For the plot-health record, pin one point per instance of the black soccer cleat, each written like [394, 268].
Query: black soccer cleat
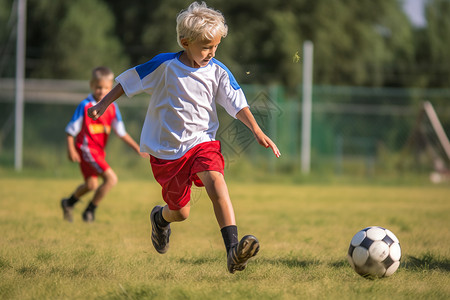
[160, 235]
[239, 254]
[67, 210]
[88, 216]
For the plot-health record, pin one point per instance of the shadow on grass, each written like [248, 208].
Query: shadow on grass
[290, 262]
[197, 261]
[4, 264]
[427, 261]
[140, 291]
[343, 263]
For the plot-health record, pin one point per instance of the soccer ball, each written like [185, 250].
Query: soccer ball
[374, 252]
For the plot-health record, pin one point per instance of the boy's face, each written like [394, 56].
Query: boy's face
[100, 88]
[198, 53]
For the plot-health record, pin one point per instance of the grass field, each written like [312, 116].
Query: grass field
[304, 232]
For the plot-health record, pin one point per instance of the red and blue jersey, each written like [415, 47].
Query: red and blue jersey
[93, 134]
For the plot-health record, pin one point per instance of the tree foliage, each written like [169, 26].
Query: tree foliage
[434, 54]
[7, 38]
[72, 38]
[356, 42]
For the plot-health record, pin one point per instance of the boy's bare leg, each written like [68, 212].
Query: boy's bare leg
[176, 215]
[90, 184]
[217, 190]
[238, 253]
[109, 180]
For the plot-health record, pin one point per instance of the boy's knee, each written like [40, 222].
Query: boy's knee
[92, 185]
[110, 178]
[211, 177]
[180, 215]
[113, 181]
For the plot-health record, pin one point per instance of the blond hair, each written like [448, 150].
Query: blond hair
[100, 73]
[200, 22]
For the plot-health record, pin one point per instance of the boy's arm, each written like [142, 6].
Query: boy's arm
[129, 140]
[98, 109]
[246, 117]
[71, 151]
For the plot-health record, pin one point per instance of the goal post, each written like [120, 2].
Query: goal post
[20, 84]
[437, 127]
[308, 49]
[430, 144]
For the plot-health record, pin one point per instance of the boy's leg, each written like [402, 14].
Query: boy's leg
[238, 253]
[217, 190]
[90, 184]
[218, 193]
[175, 215]
[109, 180]
[67, 204]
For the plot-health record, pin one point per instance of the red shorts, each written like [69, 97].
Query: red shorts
[93, 162]
[176, 176]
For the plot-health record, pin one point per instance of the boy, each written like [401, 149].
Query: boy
[181, 124]
[86, 141]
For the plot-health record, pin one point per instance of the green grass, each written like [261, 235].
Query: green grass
[304, 232]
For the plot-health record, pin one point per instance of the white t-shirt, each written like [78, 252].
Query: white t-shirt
[182, 109]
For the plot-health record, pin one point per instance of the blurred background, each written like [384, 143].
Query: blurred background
[375, 65]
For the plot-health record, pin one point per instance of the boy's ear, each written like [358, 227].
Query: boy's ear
[184, 42]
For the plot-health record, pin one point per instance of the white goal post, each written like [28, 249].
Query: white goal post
[20, 83]
[308, 49]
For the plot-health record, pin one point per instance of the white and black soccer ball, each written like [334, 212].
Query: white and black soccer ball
[374, 252]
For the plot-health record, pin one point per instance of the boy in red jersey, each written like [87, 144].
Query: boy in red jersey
[86, 142]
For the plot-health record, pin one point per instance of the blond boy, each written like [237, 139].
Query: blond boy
[181, 124]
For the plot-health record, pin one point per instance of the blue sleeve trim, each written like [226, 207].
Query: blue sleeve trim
[233, 81]
[74, 126]
[79, 112]
[150, 66]
[118, 114]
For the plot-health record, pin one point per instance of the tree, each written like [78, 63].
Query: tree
[72, 38]
[433, 47]
[8, 22]
[357, 42]
[355, 46]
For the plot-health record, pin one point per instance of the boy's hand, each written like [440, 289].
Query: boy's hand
[96, 111]
[129, 140]
[72, 152]
[74, 156]
[266, 142]
[246, 117]
[144, 155]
